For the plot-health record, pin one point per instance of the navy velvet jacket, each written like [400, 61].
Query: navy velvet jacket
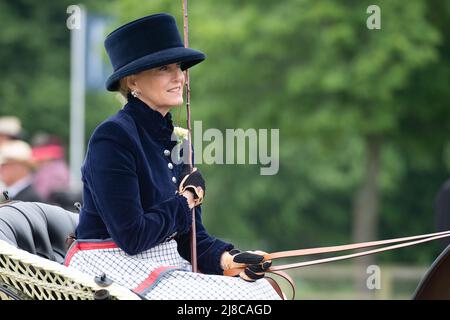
[130, 186]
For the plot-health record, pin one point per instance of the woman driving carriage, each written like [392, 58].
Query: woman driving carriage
[134, 222]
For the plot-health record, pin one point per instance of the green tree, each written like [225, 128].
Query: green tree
[34, 56]
[314, 70]
[35, 60]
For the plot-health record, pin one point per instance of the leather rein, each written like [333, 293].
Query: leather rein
[389, 244]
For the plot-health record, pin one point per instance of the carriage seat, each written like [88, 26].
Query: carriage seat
[37, 227]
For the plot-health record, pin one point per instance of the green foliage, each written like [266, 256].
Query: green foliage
[316, 72]
[35, 61]
[34, 49]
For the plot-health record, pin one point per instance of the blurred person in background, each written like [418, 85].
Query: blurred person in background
[10, 128]
[16, 170]
[52, 177]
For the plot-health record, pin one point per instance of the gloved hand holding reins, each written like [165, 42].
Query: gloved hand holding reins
[252, 261]
[194, 182]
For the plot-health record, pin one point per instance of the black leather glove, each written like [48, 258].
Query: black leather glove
[194, 182]
[252, 261]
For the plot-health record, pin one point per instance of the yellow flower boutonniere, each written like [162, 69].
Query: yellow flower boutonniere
[181, 133]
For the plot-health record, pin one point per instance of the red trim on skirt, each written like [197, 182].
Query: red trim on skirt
[151, 278]
[88, 246]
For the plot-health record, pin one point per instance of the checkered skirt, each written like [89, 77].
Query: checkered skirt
[161, 273]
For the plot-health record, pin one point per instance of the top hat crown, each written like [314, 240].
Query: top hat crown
[146, 43]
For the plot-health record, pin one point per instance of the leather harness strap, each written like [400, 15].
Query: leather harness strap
[354, 255]
[404, 242]
[353, 246]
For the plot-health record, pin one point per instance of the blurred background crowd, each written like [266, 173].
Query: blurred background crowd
[364, 120]
[34, 169]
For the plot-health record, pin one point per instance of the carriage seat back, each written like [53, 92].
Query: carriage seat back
[38, 228]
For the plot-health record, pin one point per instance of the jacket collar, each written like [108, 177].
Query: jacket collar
[153, 122]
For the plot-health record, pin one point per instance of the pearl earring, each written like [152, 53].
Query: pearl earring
[135, 93]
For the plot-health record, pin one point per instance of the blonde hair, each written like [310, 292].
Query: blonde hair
[123, 91]
[123, 87]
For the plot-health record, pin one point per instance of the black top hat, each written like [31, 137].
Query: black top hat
[146, 43]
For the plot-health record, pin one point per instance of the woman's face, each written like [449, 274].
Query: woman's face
[161, 88]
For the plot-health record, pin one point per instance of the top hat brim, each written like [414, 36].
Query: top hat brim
[186, 56]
